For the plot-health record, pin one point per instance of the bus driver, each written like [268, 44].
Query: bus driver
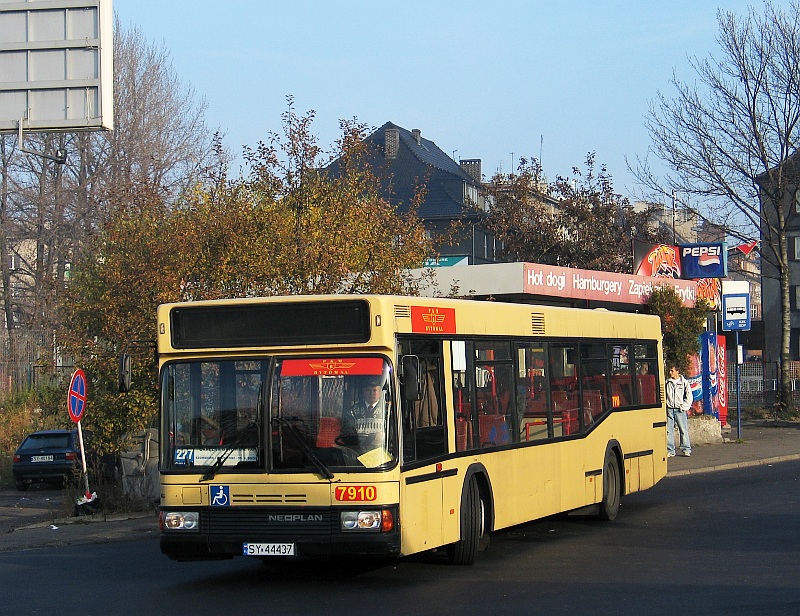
[363, 423]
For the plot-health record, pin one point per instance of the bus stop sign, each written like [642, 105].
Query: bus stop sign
[736, 312]
[76, 398]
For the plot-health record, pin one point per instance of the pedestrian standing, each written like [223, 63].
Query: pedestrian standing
[679, 401]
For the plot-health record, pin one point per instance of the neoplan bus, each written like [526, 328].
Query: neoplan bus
[490, 415]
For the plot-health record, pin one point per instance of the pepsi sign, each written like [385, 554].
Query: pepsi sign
[704, 260]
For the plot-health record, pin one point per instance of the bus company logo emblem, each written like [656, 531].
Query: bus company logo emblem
[429, 320]
[433, 318]
[220, 496]
[331, 366]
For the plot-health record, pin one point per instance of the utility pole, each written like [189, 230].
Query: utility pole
[674, 236]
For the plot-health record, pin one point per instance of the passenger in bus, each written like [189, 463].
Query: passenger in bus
[362, 424]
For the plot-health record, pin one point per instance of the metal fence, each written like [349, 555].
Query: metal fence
[760, 382]
[33, 361]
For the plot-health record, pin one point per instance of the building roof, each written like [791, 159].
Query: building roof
[418, 161]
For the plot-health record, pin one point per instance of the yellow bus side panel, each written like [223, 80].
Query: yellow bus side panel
[525, 483]
[421, 516]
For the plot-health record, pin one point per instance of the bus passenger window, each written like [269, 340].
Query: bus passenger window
[495, 394]
[533, 410]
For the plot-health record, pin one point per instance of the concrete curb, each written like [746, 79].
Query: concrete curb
[89, 519]
[733, 465]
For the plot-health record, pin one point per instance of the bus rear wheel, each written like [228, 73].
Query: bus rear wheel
[473, 526]
[609, 506]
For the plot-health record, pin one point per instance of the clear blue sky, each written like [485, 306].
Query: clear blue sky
[489, 80]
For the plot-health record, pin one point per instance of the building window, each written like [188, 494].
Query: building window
[794, 296]
[794, 248]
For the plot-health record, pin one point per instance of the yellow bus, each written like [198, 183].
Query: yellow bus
[386, 426]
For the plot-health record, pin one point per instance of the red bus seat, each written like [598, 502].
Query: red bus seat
[647, 388]
[592, 404]
[494, 430]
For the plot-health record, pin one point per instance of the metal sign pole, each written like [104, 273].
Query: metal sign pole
[738, 391]
[83, 464]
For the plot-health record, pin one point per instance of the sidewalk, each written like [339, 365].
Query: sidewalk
[80, 531]
[763, 442]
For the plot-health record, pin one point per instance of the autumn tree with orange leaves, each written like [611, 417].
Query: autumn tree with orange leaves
[288, 227]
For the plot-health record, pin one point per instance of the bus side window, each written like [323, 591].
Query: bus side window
[423, 427]
[532, 407]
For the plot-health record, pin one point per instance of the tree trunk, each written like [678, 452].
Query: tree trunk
[785, 394]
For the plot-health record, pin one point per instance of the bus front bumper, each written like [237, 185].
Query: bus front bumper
[225, 533]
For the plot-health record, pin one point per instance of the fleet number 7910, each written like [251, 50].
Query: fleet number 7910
[356, 493]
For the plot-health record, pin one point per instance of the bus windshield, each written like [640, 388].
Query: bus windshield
[313, 414]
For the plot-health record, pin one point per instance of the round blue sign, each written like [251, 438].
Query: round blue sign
[76, 398]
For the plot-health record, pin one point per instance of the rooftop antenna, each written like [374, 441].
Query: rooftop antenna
[541, 147]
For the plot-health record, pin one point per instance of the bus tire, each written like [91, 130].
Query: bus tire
[609, 506]
[463, 551]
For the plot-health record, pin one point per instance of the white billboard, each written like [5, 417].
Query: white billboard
[56, 65]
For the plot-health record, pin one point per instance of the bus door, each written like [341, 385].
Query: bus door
[424, 447]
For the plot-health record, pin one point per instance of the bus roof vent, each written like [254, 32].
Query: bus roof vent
[537, 323]
[402, 312]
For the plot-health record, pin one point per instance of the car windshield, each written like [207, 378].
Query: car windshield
[316, 414]
[46, 441]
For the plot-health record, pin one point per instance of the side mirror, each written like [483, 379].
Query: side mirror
[124, 373]
[411, 382]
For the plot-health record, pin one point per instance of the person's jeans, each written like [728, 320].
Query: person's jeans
[677, 416]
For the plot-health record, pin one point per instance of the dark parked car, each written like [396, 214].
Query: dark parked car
[49, 456]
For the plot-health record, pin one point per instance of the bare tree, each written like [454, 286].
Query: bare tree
[49, 211]
[578, 221]
[161, 137]
[730, 139]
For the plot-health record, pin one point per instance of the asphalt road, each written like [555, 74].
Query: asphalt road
[714, 543]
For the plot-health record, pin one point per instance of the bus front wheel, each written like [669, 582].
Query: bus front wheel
[473, 526]
[609, 506]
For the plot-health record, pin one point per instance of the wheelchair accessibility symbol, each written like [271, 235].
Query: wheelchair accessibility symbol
[220, 496]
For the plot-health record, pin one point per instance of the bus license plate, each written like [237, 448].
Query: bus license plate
[268, 549]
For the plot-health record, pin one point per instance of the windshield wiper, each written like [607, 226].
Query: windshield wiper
[220, 461]
[318, 464]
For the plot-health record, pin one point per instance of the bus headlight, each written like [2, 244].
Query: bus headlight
[180, 520]
[371, 520]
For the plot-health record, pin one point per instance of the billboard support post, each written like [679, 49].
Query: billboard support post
[60, 157]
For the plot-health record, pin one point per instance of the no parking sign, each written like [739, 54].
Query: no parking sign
[76, 405]
[76, 398]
